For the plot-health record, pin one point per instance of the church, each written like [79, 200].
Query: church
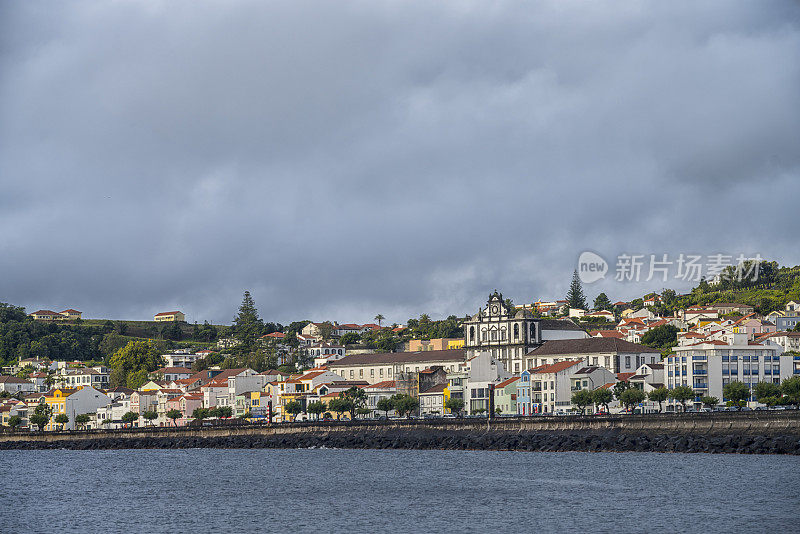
[510, 334]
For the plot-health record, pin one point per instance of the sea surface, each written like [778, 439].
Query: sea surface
[323, 490]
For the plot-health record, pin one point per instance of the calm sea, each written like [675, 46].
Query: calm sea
[208, 490]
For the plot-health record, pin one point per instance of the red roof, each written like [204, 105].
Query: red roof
[70, 310]
[623, 377]
[386, 384]
[167, 313]
[45, 312]
[504, 383]
[277, 335]
[557, 367]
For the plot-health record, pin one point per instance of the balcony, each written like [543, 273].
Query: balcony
[700, 372]
[701, 385]
[702, 358]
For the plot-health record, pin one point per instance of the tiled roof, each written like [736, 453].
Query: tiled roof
[388, 358]
[624, 377]
[589, 345]
[557, 367]
[506, 382]
[386, 384]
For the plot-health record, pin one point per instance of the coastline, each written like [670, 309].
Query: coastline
[742, 433]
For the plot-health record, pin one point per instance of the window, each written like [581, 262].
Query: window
[627, 362]
[472, 333]
[516, 332]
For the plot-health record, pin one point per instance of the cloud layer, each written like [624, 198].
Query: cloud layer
[345, 159]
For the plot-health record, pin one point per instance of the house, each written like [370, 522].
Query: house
[171, 373]
[13, 407]
[378, 367]
[547, 388]
[47, 315]
[186, 403]
[482, 373]
[789, 341]
[71, 315]
[607, 333]
[96, 377]
[14, 385]
[144, 401]
[74, 402]
[505, 396]
[172, 316]
[376, 392]
[601, 314]
[321, 352]
[433, 399]
[725, 308]
[184, 359]
[590, 378]
[441, 343]
[616, 355]
[110, 415]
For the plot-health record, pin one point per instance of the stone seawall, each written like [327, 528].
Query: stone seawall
[753, 432]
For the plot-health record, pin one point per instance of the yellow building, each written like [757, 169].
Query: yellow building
[442, 343]
[57, 400]
[71, 315]
[173, 316]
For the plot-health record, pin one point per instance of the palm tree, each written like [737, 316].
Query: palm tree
[379, 318]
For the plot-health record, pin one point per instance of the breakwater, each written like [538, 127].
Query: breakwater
[748, 432]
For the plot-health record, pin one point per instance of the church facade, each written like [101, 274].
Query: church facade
[510, 334]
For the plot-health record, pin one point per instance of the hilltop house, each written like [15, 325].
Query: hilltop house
[173, 316]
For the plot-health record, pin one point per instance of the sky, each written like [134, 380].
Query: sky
[345, 159]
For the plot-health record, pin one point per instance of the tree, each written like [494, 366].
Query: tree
[631, 397]
[82, 419]
[350, 338]
[339, 405]
[149, 416]
[223, 412]
[659, 395]
[709, 401]
[575, 295]
[582, 398]
[736, 392]
[174, 415]
[131, 364]
[316, 408]
[602, 302]
[661, 337]
[201, 413]
[325, 330]
[404, 404]
[764, 391]
[602, 397]
[129, 417]
[791, 388]
[379, 318]
[62, 419]
[293, 408]
[41, 415]
[247, 326]
[357, 398]
[14, 421]
[681, 394]
[385, 405]
[455, 405]
[620, 388]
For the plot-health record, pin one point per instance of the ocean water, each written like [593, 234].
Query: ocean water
[321, 490]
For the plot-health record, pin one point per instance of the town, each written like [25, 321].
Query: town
[548, 358]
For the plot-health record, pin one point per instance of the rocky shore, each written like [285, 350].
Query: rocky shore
[420, 439]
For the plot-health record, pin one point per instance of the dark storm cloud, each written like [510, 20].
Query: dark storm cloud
[345, 159]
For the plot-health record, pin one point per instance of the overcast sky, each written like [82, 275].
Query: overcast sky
[343, 159]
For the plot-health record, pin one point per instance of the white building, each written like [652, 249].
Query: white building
[708, 366]
[616, 355]
[509, 334]
[14, 384]
[84, 401]
[482, 370]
